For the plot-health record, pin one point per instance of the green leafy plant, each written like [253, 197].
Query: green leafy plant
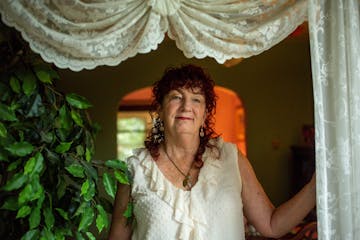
[49, 182]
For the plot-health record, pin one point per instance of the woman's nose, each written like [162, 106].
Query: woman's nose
[186, 104]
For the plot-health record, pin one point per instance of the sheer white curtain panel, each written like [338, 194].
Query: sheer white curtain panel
[80, 34]
[335, 52]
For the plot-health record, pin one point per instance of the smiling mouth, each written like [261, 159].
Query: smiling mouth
[183, 118]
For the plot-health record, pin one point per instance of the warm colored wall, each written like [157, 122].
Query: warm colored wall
[275, 87]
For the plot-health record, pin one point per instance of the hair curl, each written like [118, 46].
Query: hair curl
[190, 77]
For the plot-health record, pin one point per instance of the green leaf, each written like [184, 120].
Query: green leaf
[23, 211]
[35, 217]
[20, 149]
[33, 190]
[90, 236]
[63, 147]
[17, 105]
[39, 163]
[3, 131]
[49, 218]
[85, 187]
[6, 113]
[121, 177]
[11, 203]
[109, 184]
[79, 150]
[65, 120]
[129, 210]
[47, 137]
[26, 194]
[76, 170]
[41, 200]
[61, 133]
[102, 220]
[61, 187]
[15, 85]
[29, 83]
[34, 165]
[77, 118]
[88, 154]
[16, 182]
[37, 108]
[79, 236]
[31, 235]
[86, 219]
[29, 165]
[90, 171]
[62, 213]
[14, 165]
[77, 101]
[43, 75]
[60, 233]
[46, 234]
[51, 156]
[81, 208]
[116, 164]
[88, 190]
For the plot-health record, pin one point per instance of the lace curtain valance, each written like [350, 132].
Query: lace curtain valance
[80, 34]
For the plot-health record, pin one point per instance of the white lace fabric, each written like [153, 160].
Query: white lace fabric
[83, 34]
[163, 211]
[335, 40]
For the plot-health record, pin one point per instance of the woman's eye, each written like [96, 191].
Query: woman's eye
[176, 97]
[198, 100]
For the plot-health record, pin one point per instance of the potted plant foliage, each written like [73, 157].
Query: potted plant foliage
[49, 182]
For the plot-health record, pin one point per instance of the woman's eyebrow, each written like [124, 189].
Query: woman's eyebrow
[198, 92]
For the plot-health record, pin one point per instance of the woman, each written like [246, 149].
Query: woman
[188, 183]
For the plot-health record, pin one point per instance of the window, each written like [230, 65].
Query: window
[132, 127]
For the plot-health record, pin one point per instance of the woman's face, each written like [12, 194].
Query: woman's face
[183, 111]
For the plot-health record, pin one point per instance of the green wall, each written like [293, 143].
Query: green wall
[275, 87]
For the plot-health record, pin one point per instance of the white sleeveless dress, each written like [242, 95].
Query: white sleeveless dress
[212, 210]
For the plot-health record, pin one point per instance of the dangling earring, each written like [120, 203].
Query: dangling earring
[202, 134]
[157, 130]
[161, 128]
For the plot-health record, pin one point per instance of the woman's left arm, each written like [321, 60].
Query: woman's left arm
[260, 212]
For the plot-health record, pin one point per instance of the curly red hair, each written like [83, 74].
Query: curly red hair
[186, 76]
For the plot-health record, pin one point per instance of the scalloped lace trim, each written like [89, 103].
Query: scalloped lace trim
[75, 35]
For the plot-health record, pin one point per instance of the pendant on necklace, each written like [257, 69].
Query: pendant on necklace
[187, 181]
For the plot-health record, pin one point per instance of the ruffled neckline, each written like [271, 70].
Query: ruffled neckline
[187, 205]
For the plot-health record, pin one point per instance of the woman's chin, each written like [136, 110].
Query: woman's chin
[186, 133]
